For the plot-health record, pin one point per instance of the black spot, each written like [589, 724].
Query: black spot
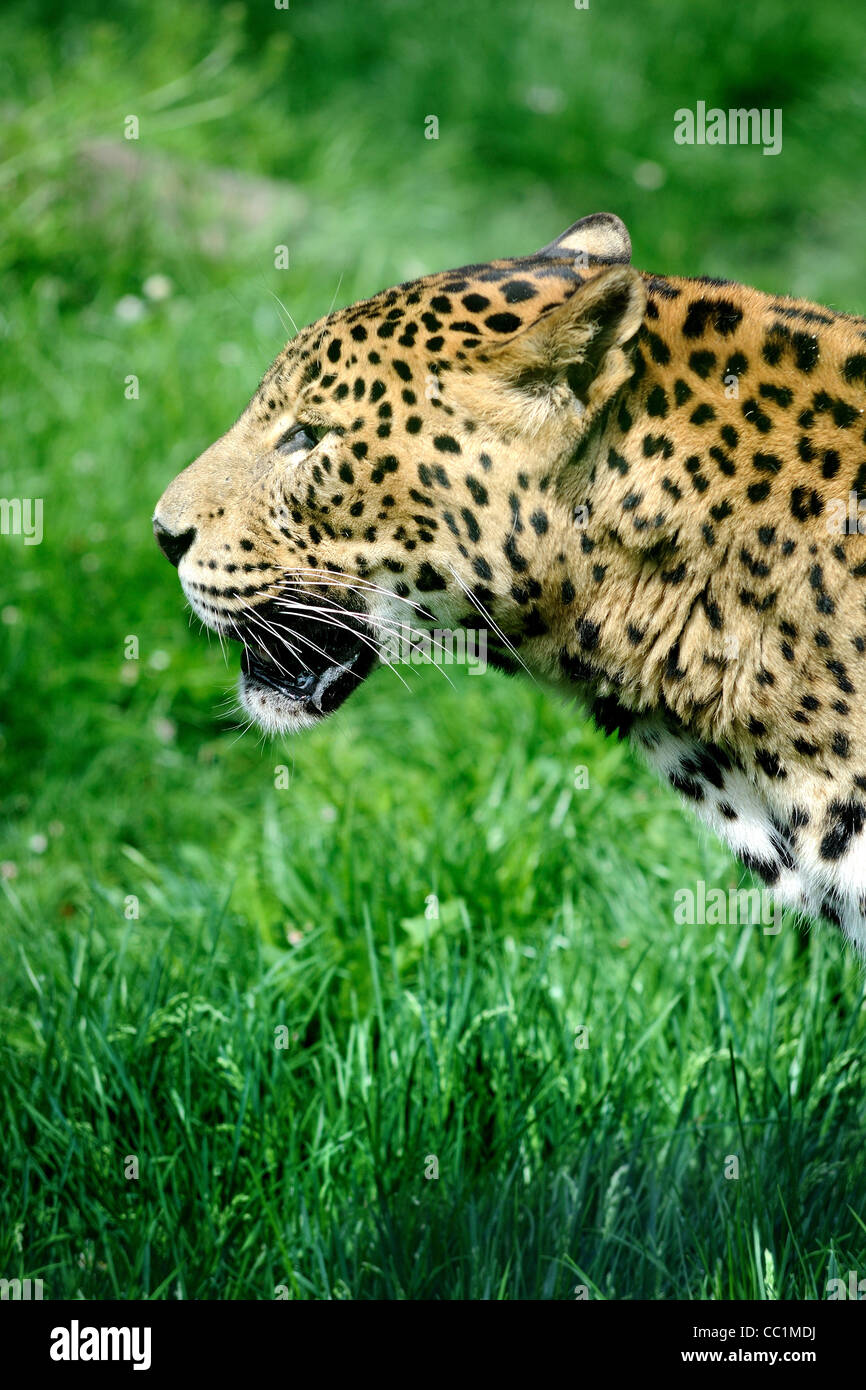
[756, 416]
[503, 323]
[736, 366]
[588, 634]
[766, 463]
[806, 351]
[612, 717]
[686, 786]
[516, 291]
[837, 669]
[756, 567]
[659, 350]
[673, 670]
[841, 745]
[848, 818]
[805, 448]
[769, 763]
[478, 490]
[726, 464]
[805, 502]
[702, 363]
[782, 395]
[617, 462]
[831, 464]
[707, 763]
[722, 314]
[765, 869]
[657, 444]
[429, 579]
[855, 367]
[473, 530]
[513, 556]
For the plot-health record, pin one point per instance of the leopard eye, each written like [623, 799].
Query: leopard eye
[299, 438]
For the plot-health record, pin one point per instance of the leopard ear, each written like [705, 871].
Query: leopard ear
[558, 370]
[601, 239]
[580, 341]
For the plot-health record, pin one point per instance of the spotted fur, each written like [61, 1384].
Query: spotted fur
[633, 481]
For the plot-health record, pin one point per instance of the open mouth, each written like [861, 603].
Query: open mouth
[296, 667]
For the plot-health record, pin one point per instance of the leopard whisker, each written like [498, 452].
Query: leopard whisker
[251, 612]
[343, 581]
[330, 621]
[498, 630]
[313, 645]
[384, 623]
[245, 646]
[414, 646]
[285, 311]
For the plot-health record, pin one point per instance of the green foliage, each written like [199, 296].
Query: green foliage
[302, 914]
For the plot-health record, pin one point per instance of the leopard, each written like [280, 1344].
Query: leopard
[643, 488]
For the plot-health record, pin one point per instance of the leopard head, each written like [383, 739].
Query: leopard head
[401, 462]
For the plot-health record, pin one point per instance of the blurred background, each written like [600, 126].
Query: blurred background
[411, 1017]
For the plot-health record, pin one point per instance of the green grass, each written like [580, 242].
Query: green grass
[296, 914]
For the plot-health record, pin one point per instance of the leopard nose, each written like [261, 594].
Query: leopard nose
[173, 544]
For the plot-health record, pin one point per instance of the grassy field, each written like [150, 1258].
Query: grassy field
[239, 1060]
